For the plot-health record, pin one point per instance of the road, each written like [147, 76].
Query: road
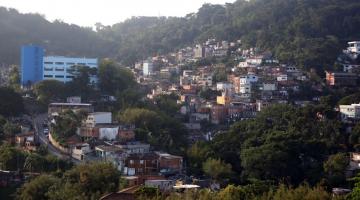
[43, 139]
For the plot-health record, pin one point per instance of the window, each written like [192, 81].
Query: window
[131, 162]
[48, 63]
[59, 76]
[141, 162]
[70, 63]
[69, 76]
[48, 76]
[59, 69]
[81, 63]
[59, 63]
[48, 69]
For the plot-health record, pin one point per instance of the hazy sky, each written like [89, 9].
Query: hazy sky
[88, 12]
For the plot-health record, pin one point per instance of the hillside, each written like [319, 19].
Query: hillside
[309, 33]
[57, 37]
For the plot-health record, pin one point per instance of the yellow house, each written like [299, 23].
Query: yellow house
[223, 100]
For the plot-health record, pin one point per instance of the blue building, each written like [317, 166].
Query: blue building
[31, 64]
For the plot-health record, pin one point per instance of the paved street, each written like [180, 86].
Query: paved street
[43, 139]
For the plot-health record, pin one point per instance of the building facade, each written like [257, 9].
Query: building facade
[60, 68]
[148, 68]
[35, 67]
[31, 64]
[351, 112]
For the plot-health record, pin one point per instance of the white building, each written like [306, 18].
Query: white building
[350, 111]
[59, 67]
[204, 80]
[148, 68]
[245, 88]
[282, 77]
[354, 47]
[222, 86]
[248, 79]
[349, 59]
[79, 151]
[98, 118]
[269, 87]
[108, 133]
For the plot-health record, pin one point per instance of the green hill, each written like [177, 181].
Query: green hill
[309, 33]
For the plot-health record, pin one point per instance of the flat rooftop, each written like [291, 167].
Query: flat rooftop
[70, 104]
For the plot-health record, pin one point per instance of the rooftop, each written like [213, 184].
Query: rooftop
[70, 104]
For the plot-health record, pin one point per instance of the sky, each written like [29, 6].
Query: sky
[107, 12]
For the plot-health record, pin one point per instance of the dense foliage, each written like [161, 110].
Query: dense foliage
[11, 103]
[158, 129]
[57, 37]
[282, 143]
[66, 125]
[90, 181]
[309, 33]
[112, 79]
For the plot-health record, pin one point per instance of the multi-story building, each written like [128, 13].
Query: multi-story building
[199, 51]
[341, 79]
[61, 68]
[148, 68]
[31, 64]
[349, 59]
[35, 67]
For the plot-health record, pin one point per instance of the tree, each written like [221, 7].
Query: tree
[66, 125]
[93, 180]
[114, 79]
[49, 90]
[14, 79]
[335, 168]
[147, 193]
[11, 158]
[231, 192]
[34, 163]
[209, 94]
[216, 168]
[158, 129]
[83, 82]
[11, 129]
[304, 191]
[167, 104]
[196, 156]
[38, 188]
[141, 117]
[11, 103]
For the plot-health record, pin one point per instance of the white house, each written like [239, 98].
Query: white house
[282, 77]
[249, 78]
[350, 111]
[245, 88]
[98, 118]
[222, 86]
[108, 133]
[269, 87]
[354, 47]
[80, 150]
